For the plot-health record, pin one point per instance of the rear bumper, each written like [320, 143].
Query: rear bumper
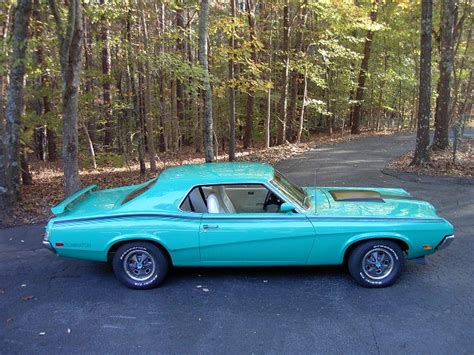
[47, 244]
[445, 242]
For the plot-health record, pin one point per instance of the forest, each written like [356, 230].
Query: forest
[94, 83]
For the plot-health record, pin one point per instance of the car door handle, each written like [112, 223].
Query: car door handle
[209, 226]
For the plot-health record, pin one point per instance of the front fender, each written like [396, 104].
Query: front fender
[330, 249]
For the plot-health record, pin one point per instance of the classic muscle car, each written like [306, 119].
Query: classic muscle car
[244, 214]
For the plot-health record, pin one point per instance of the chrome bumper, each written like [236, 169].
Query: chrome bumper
[445, 242]
[47, 244]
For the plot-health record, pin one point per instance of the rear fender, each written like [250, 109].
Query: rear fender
[134, 237]
[371, 236]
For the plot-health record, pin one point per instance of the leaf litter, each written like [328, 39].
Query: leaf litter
[47, 188]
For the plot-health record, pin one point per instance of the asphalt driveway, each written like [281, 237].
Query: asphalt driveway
[54, 305]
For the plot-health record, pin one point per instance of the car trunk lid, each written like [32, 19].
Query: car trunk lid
[91, 201]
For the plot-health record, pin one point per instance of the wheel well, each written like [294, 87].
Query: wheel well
[351, 247]
[117, 245]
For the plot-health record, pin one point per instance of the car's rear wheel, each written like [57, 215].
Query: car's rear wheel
[140, 265]
[376, 263]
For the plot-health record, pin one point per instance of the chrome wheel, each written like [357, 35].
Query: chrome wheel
[377, 263]
[139, 265]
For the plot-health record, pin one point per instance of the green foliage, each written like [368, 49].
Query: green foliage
[107, 159]
[332, 46]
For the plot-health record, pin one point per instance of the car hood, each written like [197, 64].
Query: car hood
[368, 202]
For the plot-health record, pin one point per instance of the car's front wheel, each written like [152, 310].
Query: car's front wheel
[376, 263]
[140, 265]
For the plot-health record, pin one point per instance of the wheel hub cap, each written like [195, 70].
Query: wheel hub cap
[139, 265]
[377, 263]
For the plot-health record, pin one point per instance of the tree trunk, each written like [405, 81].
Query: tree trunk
[52, 147]
[163, 138]
[90, 145]
[39, 136]
[106, 80]
[135, 97]
[181, 51]
[70, 39]
[295, 76]
[441, 135]
[283, 106]
[175, 141]
[91, 121]
[232, 89]
[89, 125]
[192, 96]
[40, 142]
[267, 121]
[303, 104]
[206, 92]
[135, 101]
[356, 116]
[10, 191]
[424, 108]
[26, 177]
[466, 106]
[5, 25]
[147, 101]
[457, 76]
[249, 107]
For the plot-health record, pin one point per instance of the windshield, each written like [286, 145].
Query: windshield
[295, 192]
[138, 192]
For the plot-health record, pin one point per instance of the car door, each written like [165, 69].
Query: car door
[255, 239]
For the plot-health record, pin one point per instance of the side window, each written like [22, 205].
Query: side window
[232, 198]
[195, 201]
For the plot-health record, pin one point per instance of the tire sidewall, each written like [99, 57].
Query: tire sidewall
[356, 268]
[160, 260]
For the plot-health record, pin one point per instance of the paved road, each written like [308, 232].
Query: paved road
[266, 310]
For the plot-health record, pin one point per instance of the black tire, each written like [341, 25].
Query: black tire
[376, 263]
[140, 265]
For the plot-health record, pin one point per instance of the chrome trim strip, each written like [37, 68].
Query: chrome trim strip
[264, 216]
[86, 219]
[376, 219]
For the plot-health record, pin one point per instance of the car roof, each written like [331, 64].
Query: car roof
[175, 182]
[216, 173]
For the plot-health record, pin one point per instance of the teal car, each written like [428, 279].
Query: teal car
[244, 214]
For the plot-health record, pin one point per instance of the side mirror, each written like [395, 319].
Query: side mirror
[286, 207]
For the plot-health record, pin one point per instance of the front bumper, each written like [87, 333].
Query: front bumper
[445, 242]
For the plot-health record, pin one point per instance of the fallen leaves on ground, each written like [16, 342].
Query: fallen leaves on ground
[47, 188]
[441, 163]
